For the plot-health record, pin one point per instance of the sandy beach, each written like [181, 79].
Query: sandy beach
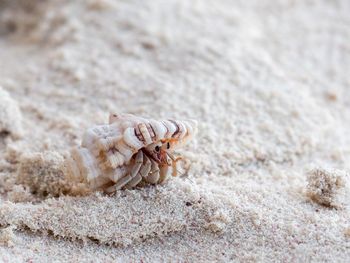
[268, 83]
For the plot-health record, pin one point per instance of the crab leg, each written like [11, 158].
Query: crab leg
[143, 172]
[134, 181]
[153, 175]
[116, 174]
[173, 163]
[163, 173]
[146, 168]
[133, 173]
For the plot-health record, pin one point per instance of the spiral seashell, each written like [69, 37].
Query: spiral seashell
[116, 155]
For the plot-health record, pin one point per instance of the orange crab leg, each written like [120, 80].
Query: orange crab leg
[173, 165]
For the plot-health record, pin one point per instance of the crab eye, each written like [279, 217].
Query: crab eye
[157, 148]
[168, 145]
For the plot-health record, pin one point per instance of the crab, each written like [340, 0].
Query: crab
[129, 151]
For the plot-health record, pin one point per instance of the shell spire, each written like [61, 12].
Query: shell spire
[108, 152]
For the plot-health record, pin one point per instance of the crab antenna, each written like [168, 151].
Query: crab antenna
[171, 156]
[190, 180]
[181, 174]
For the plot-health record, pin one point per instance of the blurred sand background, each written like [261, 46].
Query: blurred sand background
[268, 82]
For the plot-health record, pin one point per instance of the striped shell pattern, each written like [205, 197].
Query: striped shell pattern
[107, 153]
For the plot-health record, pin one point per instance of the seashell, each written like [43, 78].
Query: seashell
[129, 151]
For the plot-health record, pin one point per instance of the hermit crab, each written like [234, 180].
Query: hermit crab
[129, 151]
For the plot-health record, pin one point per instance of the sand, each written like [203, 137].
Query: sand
[268, 83]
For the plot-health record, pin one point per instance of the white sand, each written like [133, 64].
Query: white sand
[268, 82]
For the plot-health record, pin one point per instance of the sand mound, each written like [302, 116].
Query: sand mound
[7, 237]
[327, 187]
[128, 217]
[46, 175]
[10, 115]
